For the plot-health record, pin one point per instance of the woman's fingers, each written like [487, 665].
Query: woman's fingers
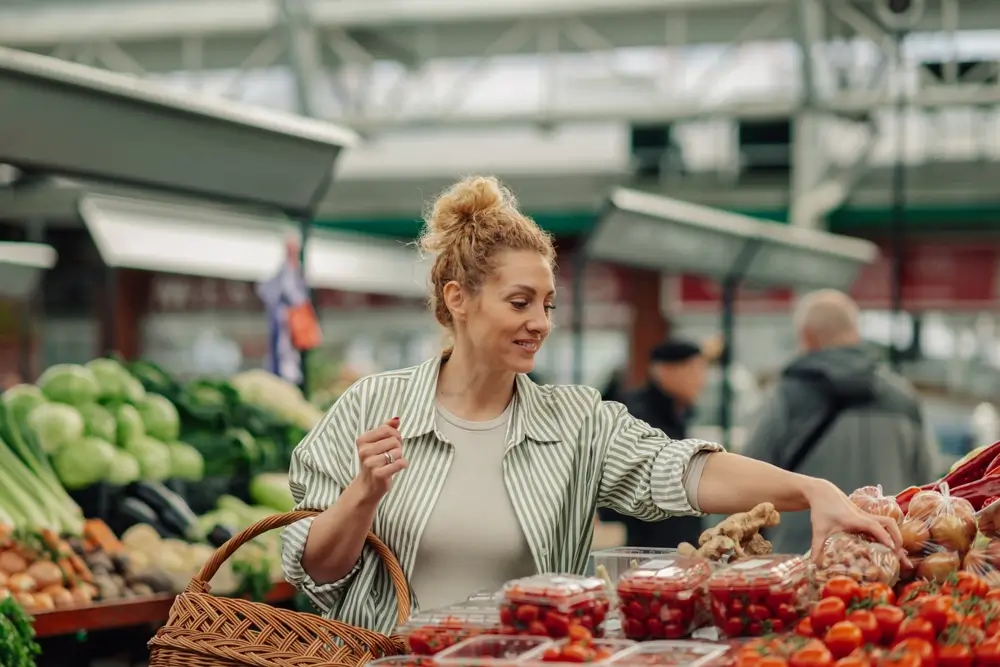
[387, 470]
[892, 528]
[370, 449]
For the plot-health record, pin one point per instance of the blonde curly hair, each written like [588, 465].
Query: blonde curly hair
[467, 226]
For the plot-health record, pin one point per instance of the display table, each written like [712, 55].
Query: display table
[123, 614]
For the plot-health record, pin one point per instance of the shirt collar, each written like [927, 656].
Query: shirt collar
[533, 415]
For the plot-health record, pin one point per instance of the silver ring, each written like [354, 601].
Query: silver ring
[388, 458]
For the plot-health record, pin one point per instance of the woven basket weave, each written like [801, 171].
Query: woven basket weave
[208, 631]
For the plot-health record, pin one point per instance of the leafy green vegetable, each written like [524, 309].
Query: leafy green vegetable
[21, 399]
[111, 378]
[99, 422]
[271, 490]
[153, 457]
[160, 417]
[186, 462]
[124, 469]
[84, 463]
[153, 378]
[70, 383]
[56, 425]
[130, 426]
[18, 647]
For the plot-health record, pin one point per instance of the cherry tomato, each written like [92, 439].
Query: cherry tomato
[988, 652]
[936, 609]
[733, 626]
[576, 653]
[526, 613]
[578, 633]
[877, 593]
[889, 619]
[556, 625]
[804, 628]
[853, 660]
[772, 661]
[917, 627]
[966, 583]
[843, 638]
[827, 612]
[540, 629]
[811, 655]
[899, 659]
[844, 588]
[867, 623]
[922, 648]
[954, 655]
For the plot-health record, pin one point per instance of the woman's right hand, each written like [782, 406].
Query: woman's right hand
[380, 451]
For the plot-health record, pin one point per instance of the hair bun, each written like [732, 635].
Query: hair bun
[461, 206]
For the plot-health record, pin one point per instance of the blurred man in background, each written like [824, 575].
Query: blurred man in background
[677, 373]
[839, 414]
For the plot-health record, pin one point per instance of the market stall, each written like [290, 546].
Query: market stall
[650, 231]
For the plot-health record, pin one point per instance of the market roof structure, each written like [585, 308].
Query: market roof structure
[22, 266]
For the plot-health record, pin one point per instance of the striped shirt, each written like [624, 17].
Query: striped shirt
[567, 453]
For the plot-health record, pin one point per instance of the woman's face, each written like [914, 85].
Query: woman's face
[507, 321]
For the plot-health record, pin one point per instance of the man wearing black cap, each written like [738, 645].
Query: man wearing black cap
[677, 373]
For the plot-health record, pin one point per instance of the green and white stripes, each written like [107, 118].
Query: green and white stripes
[567, 453]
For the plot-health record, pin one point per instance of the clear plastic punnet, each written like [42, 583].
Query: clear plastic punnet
[664, 598]
[431, 632]
[758, 596]
[857, 557]
[490, 651]
[610, 564]
[565, 651]
[549, 604]
[670, 654]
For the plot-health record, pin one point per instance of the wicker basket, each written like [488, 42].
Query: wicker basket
[208, 631]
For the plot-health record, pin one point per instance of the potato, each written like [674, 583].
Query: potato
[939, 566]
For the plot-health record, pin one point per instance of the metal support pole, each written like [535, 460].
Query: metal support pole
[579, 268]
[305, 55]
[110, 314]
[730, 287]
[898, 222]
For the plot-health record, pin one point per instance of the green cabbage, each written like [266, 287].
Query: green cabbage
[129, 425]
[111, 377]
[70, 383]
[272, 490]
[124, 469]
[153, 457]
[159, 416]
[186, 462]
[21, 399]
[55, 425]
[83, 463]
[99, 422]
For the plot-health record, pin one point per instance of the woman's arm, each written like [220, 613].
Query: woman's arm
[732, 483]
[337, 536]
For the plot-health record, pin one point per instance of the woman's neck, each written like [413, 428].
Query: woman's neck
[471, 390]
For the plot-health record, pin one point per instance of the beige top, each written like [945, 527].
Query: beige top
[473, 539]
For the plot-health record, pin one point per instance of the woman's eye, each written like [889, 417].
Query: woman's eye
[550, 307]
[520, 305]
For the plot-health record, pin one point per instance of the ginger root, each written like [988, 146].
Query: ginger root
[736, 536]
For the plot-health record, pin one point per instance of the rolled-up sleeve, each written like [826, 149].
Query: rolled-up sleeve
[642, 470]
[319, 471]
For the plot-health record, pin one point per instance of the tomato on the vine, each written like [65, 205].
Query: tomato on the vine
[987, 652]
[772, 661]
[853, 660]
[897, 658]
[955, 655]
[877, 593]
[826, 613]
[843, 638]
[922, 648]
[804, 628]
[889, 619]
[937, 609]
[917, 627]
[811, 655]
[966, 583]
[845, 588]
[867, 623]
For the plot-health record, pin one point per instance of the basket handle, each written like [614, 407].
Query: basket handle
[199, 583]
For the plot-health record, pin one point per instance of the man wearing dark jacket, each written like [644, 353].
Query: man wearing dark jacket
[677, 374]
[839, 414]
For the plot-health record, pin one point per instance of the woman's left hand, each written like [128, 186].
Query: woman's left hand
[832, 512]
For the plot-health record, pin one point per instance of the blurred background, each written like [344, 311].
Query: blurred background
[874, 119]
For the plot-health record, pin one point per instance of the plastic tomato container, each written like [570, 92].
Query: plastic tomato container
[664, 598]
[490, 651]
[611, 564]
[670, 654]
[759, 596]
[431, 632]
[402, 661]
[567, 651]
[548, 604]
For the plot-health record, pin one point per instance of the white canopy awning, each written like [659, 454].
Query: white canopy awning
[655, 232]
[242, 245]
[21, 267]
[81, 121]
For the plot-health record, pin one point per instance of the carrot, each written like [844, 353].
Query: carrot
[99, 532]
[80, 568]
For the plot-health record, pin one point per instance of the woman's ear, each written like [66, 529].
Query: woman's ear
[455, 300]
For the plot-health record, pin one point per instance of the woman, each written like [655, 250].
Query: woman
[471, 473]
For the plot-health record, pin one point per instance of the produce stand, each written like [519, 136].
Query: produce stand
[649, 231]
